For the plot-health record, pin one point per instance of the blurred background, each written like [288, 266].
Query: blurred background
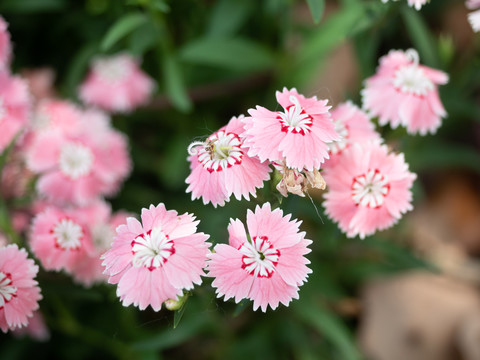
[410, 292]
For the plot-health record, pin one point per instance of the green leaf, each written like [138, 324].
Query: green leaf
[174, 84]
[316, 8]
[330, 326]
[421, 36]
[177, 316]
[227, 17]
[143, 38]
[232, 53]
[122, 27]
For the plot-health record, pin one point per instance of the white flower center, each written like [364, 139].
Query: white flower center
[294, 119]
[112, 69]
[68, 234]
[152, 249]
[259, 257]
[3, 110]
[370, 189]
[7, 291]
[102, 235]
[337, 146]
[411, 79]
[222, 150]
[75, 160]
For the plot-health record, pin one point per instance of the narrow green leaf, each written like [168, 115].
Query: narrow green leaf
[421, 36]
[177, 316]
[316, 8]
[77, 68]
[174, 84]
[233, 53]
[122, 27]
[227, 17]
[143, 39]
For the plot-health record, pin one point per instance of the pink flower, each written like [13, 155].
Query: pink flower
[14, 107]
[5, 45]
[36, 328]
[267, 265]
[221, 167]
[353, 126]
[59, 239]
[404, 92]
[474, 16]
[116, 84]
[79, 164]
[298, 135]
[155, 260]
[19, 292]
[298, 182]
[369, 189]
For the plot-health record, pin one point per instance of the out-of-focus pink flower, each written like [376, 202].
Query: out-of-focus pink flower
[19, 292]
[474, 17]
[102, 224]
[369, 189]
[157, 259]
[353, 126]
[15, 177]
[5, 46]
[403, 92]
[116, 84]
[36, 328]
[267, 265]
[221, 167]
[14, 107]
[59, 239]
[417, 4]
[298, 135]
[79, 164]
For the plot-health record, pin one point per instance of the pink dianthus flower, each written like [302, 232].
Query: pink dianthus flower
[369, 189]
[116, 84]
[59, 239]
[267, 265]
[19, 292]
[157, 259]
[298, 135]
[5, 46]
[403, 92]
[221, 167]
[14, 107]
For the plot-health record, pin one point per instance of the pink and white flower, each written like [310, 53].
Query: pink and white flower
[80, 164]
[5, 46]
[403, 92]
[59, 239]
[36, 328]
[353, 126]
[221, 167]
[19, 292]
[298, 135]
[14, 107]
[157, 259]
[116, 84]
[474, 16]
[267, 265]
[369, 189]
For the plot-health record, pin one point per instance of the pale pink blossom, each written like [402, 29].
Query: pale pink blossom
[266, 265]
[36, 328]
[353, 126]
[221, 167]
[403, 92]
[157, 259]
[19, 292]
[101, 223]
[368, 189]
[5, 46]
[474, 16]
[14, 108]
[78, 165]
[298, 135]
[59, 239]
[116, 84]
[297, 182]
